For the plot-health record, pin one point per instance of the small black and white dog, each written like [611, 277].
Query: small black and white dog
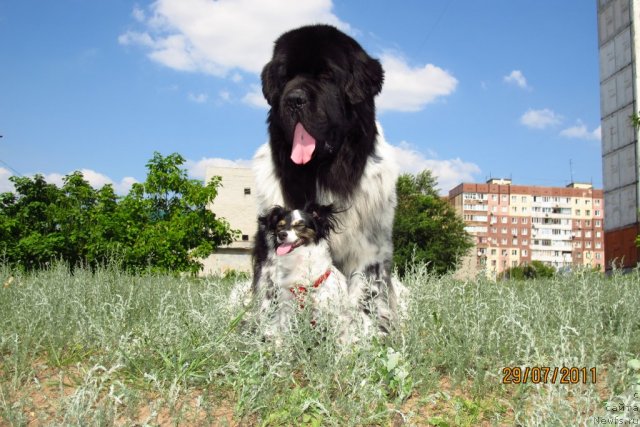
[299, 271]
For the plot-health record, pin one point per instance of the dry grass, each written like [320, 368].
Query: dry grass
[108, 348]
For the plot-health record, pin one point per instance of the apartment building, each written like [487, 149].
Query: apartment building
[516, 224]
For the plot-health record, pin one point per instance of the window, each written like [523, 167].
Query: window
[247, 191]
[598, 234]
[598, 255]
[514, 220]
[503, 252]
[598, 245]
[504, 219]
[598, 223]
[596, 213]
[514, 263]
[524, 199]
[245, 237]
[578, 213]
[524, 220]
[587, 212]
[514, 199]
[514, 252]
[524, 231]
[493, 251]
[525, 252]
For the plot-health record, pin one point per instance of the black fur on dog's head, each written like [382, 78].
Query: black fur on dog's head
[321, 84]
[287, 229]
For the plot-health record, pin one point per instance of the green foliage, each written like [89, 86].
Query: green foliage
[426, 228]
[635, 120]
[533, 270]
[163, 224]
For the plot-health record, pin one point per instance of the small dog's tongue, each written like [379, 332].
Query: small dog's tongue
[284, 248]
[303, 145]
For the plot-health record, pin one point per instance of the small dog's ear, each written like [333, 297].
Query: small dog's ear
[270, 219]
[324, 218]
[366, 78]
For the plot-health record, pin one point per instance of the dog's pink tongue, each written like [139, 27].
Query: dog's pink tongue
[303, 145]
[284, 248]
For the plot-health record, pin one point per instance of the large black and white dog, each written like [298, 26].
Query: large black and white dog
[324, 147]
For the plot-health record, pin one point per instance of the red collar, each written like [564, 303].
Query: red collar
[300, 290]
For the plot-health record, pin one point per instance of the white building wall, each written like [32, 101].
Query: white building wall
[236, 203]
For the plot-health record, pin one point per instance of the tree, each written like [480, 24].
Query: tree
[533, 270]
[165, 220]
[426, 228]
[163, 224]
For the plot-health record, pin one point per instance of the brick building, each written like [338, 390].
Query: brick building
[517, 224]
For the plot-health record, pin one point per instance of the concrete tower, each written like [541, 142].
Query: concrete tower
[618, 22]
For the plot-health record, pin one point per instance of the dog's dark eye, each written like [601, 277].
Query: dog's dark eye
[299, 226]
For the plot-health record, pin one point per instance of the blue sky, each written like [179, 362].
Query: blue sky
[473, 88]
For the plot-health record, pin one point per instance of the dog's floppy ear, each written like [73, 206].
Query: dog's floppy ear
[270, 219]
[324, 218]
[366, 78]
[270, 79]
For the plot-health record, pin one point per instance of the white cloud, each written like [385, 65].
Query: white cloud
[216, 37]
[409, 88]
[134, 38]
[517, 78]
[449, 173]
[255, 99]
[198, 98]
[138, 14]
[225, 95]
[540, 119]
[198, 168]
[580, 131]
[95, 179]
[5, 184]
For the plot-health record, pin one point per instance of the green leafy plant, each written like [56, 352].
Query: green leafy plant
[426, 229]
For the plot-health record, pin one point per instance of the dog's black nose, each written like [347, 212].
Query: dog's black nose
[282, 235]
[296, 99]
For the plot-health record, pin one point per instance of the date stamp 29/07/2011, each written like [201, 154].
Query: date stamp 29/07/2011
[548, 375]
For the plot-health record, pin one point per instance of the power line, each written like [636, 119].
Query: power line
[9, 166]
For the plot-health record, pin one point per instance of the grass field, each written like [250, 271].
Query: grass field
[108, 348]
